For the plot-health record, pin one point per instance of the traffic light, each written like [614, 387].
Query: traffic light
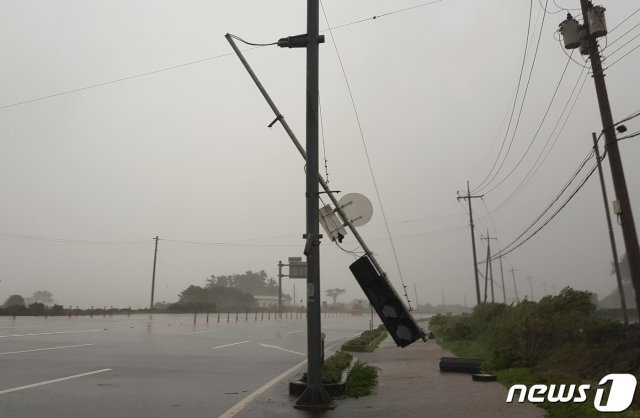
[392, 312]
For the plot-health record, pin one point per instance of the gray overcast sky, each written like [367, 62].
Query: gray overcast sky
[186, 154]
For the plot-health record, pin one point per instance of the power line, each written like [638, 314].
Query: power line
[524, 97]
[92, 86]
[383, 15]
[536, 166]
[70, 240]
[515, 99]
[503, 252]
[510, 247]
[366, 151]
[535, 135]
[621, 23]
[619, 59]
[255, 46]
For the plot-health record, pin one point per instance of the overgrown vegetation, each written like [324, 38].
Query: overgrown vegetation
[556, 340]
[361, 380]
[367, 341]
[334, 366]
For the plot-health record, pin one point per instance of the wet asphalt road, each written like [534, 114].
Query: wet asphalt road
[140, 367]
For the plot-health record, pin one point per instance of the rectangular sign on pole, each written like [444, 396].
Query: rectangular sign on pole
[297, 268]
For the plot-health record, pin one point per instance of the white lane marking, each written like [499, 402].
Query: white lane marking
[295, 332]
[283, 349]
[47, 382]
[31, 326]
[235, 409]
[50, 333]
[45, 349]
[246, 401]
[229, 345]
[200, 332]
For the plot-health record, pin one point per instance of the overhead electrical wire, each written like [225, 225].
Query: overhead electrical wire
[385, 14]
[514, 244]
[621, 23]
[515, 100]
[505, 252]
[515, 130]
[538, 162]
[366, 151]
[627, 43]
[174, 67]
[535, 135]
[71, 241]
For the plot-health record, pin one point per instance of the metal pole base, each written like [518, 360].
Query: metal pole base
[315, 398]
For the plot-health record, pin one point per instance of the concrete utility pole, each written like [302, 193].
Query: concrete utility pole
[490, 265]
[617, 173]
[612, 239]
[153, 276]
[515, 286]
[468, 197]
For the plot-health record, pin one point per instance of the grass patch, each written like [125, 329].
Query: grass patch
[334, 366]
[366, 342]
[361, 380]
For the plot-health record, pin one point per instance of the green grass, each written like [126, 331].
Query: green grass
[366, 342]
[361, 380]
[585, 357]
[334, 366]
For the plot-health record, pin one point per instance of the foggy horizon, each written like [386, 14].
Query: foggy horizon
[129, 152]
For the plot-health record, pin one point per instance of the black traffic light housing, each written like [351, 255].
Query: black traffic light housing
[384, 299]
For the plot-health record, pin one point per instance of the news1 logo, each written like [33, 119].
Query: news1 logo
[623, 387]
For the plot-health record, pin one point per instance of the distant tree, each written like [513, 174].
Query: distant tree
[255, 283]
[14, 300]
[334, 293]
[42, 296]
[56, 310]
[36, 309]
[196, 297]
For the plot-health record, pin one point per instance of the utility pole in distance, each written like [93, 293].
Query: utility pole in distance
[594, 16]
[488, 238]
[153, 276]
[531, 288]
[515, 286]
[468, 197]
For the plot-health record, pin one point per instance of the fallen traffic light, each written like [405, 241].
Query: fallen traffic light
[384, 299]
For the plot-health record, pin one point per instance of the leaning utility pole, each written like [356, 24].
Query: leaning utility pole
[468, 197]
[153, 276]
[611, 142]
[612, 239]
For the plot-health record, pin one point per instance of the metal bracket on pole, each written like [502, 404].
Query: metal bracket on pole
[278, 117]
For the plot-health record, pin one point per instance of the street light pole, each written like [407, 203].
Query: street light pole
[314, 397]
